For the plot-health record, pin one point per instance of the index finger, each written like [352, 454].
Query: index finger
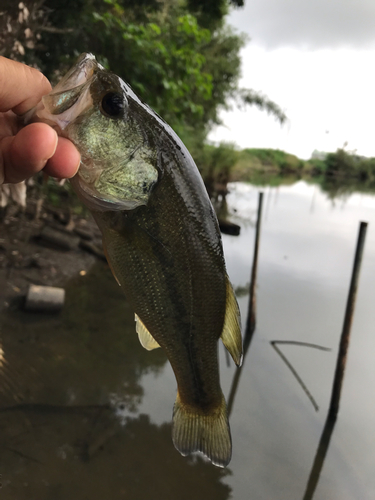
[21, 87]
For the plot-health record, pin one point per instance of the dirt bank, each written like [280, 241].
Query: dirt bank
[43, 247]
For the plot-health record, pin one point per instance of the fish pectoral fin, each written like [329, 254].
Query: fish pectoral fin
[206, 432]
[109, 262]
[231, 334]
[145, 337]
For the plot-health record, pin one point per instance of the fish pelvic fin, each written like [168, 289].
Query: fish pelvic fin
[231, 334]
[208, 433]
[145, 338]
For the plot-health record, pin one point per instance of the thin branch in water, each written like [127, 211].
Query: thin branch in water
[20, 454]
[303, 344]
[289, 365]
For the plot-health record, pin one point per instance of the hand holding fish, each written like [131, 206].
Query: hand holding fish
[25, 151]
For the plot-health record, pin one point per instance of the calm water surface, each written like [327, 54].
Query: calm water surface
[86, 412]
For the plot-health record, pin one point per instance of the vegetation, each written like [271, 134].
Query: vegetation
[251, 161]
[182, 59]
[337, 173]
[346, 164]
[178, 55]
[215, 164]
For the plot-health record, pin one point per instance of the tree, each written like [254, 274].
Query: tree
[181, 68]
[179, 57]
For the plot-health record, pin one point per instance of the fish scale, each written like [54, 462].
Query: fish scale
[196, 304]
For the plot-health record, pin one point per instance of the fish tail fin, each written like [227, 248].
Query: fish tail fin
[208, 432]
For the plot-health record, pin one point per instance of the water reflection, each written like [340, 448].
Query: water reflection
[319, 458]
[69, 420]
[85, 412]
[251, 310]
[86, 453]
[295, 283]
[81, 356]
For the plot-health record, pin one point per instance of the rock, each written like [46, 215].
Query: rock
[227, 227]
[84, 233]
[62, 240]
[37, 261]
[44, 298]
[91, 247]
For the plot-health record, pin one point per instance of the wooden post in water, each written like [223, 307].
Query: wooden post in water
[320, 456]
[340, 369]
[348, 320]
[250, 323]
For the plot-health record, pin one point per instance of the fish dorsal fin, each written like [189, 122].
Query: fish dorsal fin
[231, 335]
[145, 337]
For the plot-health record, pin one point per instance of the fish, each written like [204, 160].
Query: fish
[161, 239]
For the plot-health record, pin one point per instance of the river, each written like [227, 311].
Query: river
[86, 411]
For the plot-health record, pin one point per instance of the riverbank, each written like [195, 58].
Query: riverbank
[222, 164]
[43, 249]
[48, 243]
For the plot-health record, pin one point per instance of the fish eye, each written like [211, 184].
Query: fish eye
[113, 105]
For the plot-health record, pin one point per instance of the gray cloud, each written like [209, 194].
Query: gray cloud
[312, 24]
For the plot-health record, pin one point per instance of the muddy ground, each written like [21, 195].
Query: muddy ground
[43, 245]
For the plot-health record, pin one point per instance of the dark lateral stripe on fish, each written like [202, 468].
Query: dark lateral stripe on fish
[208, 433]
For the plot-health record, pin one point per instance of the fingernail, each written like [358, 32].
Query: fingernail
[56, 142]
[77, 166]
[54, 149]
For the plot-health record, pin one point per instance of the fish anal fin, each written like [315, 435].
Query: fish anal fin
[145, 338]
[231, 334]
[207, 433]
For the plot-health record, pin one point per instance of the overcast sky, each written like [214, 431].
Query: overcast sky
[316, 60]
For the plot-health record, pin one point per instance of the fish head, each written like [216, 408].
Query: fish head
[97, 111]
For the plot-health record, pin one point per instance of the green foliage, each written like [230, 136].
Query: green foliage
[253, 98]
[339, 162]
[169, 71]
[345, 164]
[338, 171]
[180, 68]
[317, 166]
[216, 163]
[251, 161]
[179, 57]
[211, 12]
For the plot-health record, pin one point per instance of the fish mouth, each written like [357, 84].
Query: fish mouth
[79, 75]
[69, 98]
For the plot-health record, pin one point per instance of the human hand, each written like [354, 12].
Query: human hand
[24, 151]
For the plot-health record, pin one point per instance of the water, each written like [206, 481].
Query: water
[85, 411]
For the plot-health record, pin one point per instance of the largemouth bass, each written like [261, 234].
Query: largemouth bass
[161, 238]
